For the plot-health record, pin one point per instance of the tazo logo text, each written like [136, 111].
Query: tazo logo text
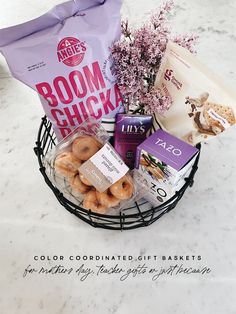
[168, 76]
[168, 147]
[71, 51]
[160, 193]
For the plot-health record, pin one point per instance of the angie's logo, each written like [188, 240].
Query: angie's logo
[71, 51]
[168, 74]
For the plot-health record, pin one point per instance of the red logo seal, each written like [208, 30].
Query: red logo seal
[168, 75]
[71, 51]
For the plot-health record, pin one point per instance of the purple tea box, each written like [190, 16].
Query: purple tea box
[163, 161]
[158, 192]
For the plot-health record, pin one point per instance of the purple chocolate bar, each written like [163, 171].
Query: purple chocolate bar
[130, 131]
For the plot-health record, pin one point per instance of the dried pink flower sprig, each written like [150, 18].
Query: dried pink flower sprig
[137, 58]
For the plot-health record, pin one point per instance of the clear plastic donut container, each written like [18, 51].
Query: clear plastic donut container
[89, 172]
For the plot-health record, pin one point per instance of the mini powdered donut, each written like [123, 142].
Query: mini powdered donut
[67, 164]
[107, 199]
[78, 185]
[84, 180]
[123, 189]
[91, 202]
[85, 147]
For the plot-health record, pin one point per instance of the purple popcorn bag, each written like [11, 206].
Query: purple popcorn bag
[64, 55]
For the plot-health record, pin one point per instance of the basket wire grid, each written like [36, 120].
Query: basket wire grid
[139, 214]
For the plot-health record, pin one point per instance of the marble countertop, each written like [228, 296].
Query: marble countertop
[33, 223]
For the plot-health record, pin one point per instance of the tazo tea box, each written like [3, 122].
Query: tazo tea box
[130, 131]
[159, 192]
[202, 106]
[104, 168]
[163, 160]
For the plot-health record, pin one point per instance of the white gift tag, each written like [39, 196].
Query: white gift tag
[104, 168]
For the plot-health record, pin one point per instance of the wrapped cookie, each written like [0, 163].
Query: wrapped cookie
[202, 106]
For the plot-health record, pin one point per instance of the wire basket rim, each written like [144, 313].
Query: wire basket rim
[166, 206]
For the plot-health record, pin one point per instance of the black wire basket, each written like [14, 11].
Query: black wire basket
[140, 214]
